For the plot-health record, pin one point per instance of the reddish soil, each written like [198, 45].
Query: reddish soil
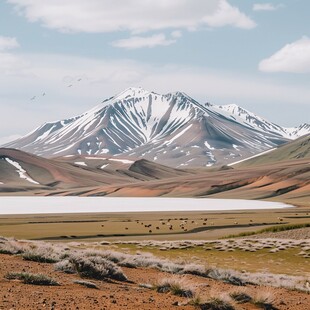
[117, 295]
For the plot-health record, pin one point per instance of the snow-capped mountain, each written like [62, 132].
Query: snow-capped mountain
[250, 119]
[172, 129]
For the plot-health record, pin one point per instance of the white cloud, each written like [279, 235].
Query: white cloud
[136, 16]
[266, 7]
[227, 15]
[8, 43]
[293, 58]
[140, 42]
[9, 62]
[176, 34]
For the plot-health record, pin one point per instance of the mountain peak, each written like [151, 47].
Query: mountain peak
[134, 92]
[171, 129]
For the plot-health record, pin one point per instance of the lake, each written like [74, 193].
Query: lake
[49, 205]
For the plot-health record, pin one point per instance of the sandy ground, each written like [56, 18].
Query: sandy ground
[119, 295]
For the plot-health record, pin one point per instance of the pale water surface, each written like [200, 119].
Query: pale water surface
[37, 205]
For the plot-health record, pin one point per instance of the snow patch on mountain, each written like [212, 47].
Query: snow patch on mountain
[22, 172]
[252, 120]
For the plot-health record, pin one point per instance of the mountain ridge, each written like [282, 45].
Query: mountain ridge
[173, 129]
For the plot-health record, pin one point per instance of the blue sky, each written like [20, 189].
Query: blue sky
[252, 53]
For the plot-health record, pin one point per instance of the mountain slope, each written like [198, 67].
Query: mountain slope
[172, 129]
[20, 171]
[297, 149]
[254, 121]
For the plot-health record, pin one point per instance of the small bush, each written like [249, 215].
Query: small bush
[38, 257]
[31, 278]
[65, 266]
[264, 300]
[86, 284]
[226, 276]
[96, 267]
[10, 247]
[197, 270]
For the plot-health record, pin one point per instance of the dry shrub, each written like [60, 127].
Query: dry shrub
[30, 278]
[176, 286]
[87, 284]
[97, 267]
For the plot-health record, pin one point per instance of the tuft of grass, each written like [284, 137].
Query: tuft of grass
[240, 297]
[31, 278]
[146, 285]
[10, 247]
[264, 300]
[38, 257]
[87, 284]
[65, 266]
[97, 267]
[216, 303]
[226, 276]
[176, 286]
[195, 301]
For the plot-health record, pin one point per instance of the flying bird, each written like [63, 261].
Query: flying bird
[70, 85]
[43, 94]
[34, 97]
[79, 80]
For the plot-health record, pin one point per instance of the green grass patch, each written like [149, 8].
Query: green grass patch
[272, 229]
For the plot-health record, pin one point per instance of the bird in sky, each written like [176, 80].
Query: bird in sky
[34, 97]
[70, 85]
[43, 94]
[79, 80]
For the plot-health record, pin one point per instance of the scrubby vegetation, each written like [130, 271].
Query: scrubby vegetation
[87, 284]
[97, 267]
[216, 303]
[107, 264]
[176, 286]
[272, 229]
[30, 278]
[264, 300]
[240, 297]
